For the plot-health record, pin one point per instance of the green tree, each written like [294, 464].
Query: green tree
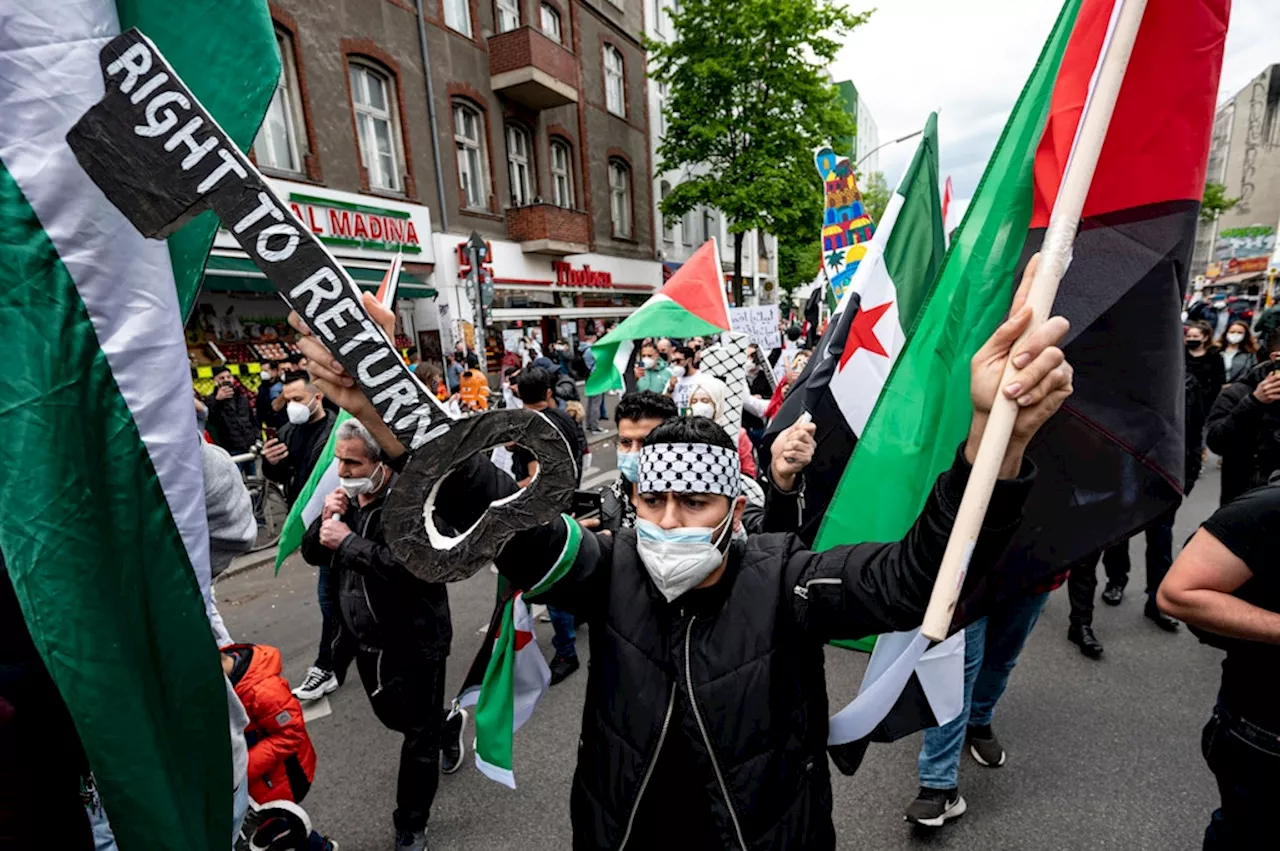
[748, 99]
[1215, 202]
[875, 195]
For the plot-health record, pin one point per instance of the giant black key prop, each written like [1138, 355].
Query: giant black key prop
[161, 158]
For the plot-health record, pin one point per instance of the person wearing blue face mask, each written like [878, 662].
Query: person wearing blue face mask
[638, 414]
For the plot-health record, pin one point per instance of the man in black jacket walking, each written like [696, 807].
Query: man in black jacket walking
[399, 626]
[706, 709]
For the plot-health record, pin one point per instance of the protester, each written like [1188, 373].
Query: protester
[593, 403]
[282, 761]
[400, 624]
[684, 370]
[432, 378]
[1083, 581]
[637, 414]
[292, 454]
[756, 402]
[457, 366]
[231, 417]
[665, 349]
[1224, 585]
[787, 382]
[1244, 426]
[708, 398]
[1203, 363]
[651, 372]
[270, 416]
[536, 390]
[652, 774]
[1239, 351]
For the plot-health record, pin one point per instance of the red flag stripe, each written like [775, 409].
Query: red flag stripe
[1158, 143]
[698, 288]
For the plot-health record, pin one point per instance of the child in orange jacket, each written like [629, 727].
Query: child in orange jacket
[282, 762]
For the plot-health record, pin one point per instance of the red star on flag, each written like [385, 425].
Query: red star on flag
[862, 334]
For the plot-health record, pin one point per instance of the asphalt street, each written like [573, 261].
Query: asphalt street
[1102, 755]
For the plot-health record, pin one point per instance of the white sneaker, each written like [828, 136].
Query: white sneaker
[317, 684]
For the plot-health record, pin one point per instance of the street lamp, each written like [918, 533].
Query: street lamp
[887, 144]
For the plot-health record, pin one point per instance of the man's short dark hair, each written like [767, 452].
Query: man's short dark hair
[272, 364]
[645, 405]
[412, 350]
[690, 430]
[793, 333]
[218, 370]
[688, 352]
[1273, 340]
[533, 385]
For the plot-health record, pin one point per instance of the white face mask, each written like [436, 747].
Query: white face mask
[1235, 338]
[679, 560]
[649, 363]
[677, 371]
[361, 485]
[298, 413]
[703, 409]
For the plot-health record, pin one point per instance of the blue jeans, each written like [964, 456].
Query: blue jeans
[564, 640]
[991, 648]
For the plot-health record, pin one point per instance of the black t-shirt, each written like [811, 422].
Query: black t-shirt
[521, 458]
[1249, 527]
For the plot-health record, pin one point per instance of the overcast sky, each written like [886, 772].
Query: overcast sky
[970, 58]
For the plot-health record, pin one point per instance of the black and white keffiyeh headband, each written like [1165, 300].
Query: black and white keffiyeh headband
[689, 468]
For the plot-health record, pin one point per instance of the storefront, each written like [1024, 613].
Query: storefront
[241, 321]
[541, 296]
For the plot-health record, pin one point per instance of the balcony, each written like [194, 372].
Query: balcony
[548, 229]
[531, 69]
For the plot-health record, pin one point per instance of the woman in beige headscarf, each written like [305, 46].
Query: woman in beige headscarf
[707, 399]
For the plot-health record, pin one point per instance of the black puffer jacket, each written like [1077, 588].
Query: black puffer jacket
[382, 604]
[1246, 433]
[232, 422]
[745, 679]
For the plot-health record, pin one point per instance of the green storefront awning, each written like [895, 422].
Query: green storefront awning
[238, 274]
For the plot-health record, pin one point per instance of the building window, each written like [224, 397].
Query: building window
[561, 175]
[551, 24]
[620, 198]
[457, 16]
[657, 18]
[687, 225]
[508, 15]
[615, 97]
[668, 229]
[519, 171]
[662, 109]
[372, 100]
[277, 144]
[472, 177]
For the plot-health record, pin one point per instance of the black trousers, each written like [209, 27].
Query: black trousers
[1083, 581]
[1245, 759]
[407, 693]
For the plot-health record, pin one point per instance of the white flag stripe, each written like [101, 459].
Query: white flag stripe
[328, 484]
[125, 281]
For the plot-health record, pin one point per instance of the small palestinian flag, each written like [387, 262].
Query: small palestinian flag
[692, 303]
[510, 675]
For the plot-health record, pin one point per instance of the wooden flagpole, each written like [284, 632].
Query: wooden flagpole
[1055, 255]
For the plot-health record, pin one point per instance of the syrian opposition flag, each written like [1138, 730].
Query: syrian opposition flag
[690, 304]
[324, 475]
[510, 675]
[868, 330]
[1111, 460]
[104, 531]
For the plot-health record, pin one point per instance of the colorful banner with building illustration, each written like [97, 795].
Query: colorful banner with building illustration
[846, 227]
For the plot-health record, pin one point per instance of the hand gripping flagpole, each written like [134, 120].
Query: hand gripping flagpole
[1055, 256]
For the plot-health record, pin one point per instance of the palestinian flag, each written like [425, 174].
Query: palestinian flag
[510, 675]
[691, 303]
[104, 534]
[868, 331]
[324, 475]
[1112, 459]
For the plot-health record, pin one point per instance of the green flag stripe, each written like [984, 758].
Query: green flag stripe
[568, 555]
[906, 257]
[494, 708]
[99, 568]
[294, 525]
[924, 411]
[658, 317]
